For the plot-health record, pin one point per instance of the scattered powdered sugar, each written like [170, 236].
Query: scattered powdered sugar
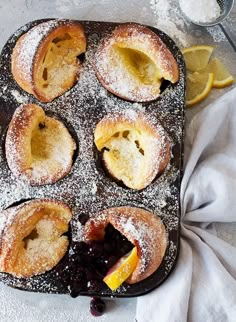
[170, 257]
[94, 188]
[19, 98]
[147, 234]
[87, 189]
[123, 77]
[140, 151]
[200, 11]
[29, 45]
[23, 307]
[170, 20]
[216, 33]
[40, 160]
[46, 155]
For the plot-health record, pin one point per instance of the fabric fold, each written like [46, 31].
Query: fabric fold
[202, 287]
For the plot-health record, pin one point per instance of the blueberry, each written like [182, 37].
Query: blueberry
[96, 249]
[101, 269]
[78, 259]
[91, 274]
[95, 286]
[111, 261]
[97, 306]
[127, 246]
[81, 248]
[79, 275]
[108, 247]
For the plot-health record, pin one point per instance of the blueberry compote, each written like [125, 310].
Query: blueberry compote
[89, 263]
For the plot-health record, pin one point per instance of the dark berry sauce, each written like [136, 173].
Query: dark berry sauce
[87, 264]
[90, 262]
[84, 268]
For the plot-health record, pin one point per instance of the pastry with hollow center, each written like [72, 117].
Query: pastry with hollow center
[32, 239]
[44, 59]
[39, 149]
[134, 150]
[141, 227]
[133, 61]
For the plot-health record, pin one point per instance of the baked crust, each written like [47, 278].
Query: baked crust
[32, 240]
[133, 61]
[142, 228]
[134, 149]
[44, 60]
[39, 149]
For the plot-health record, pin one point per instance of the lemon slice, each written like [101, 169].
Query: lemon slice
[121, 270]
[222, 77]
[197, 57]
[198, 87]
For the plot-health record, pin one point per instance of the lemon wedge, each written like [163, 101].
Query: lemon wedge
[222, 76]
[202, 75]
[198, 87]
[121, 270]
[197, 57]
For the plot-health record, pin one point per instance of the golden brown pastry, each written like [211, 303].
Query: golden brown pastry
[32, 240]
[134, 150]
[142, 228]
[44, 60]
[39, 149]
[133, 61]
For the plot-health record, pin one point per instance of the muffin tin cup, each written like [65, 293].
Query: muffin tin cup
[87, 188]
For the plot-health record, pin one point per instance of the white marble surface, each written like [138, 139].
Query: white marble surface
[22, 306]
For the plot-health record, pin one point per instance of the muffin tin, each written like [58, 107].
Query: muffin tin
[88, 189]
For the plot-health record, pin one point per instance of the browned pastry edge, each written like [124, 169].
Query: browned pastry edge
[18, 146]
[142, 228]
[25, 70]
[156, 146]
[19, 222]
[156, 49]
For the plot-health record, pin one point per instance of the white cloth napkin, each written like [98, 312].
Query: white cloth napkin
[202, 287]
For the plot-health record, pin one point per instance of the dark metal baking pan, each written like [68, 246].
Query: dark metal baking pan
[87, 189]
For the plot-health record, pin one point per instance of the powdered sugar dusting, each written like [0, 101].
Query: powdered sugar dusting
[119, 73]
[19, 98]
[142, 228]
[170, 20]
[143, 232]
[87, 189]
[140, 233]
[216, 33]
[39, 155]
[41, 252]
[29, 47]
[196, 10]
[139, 146]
